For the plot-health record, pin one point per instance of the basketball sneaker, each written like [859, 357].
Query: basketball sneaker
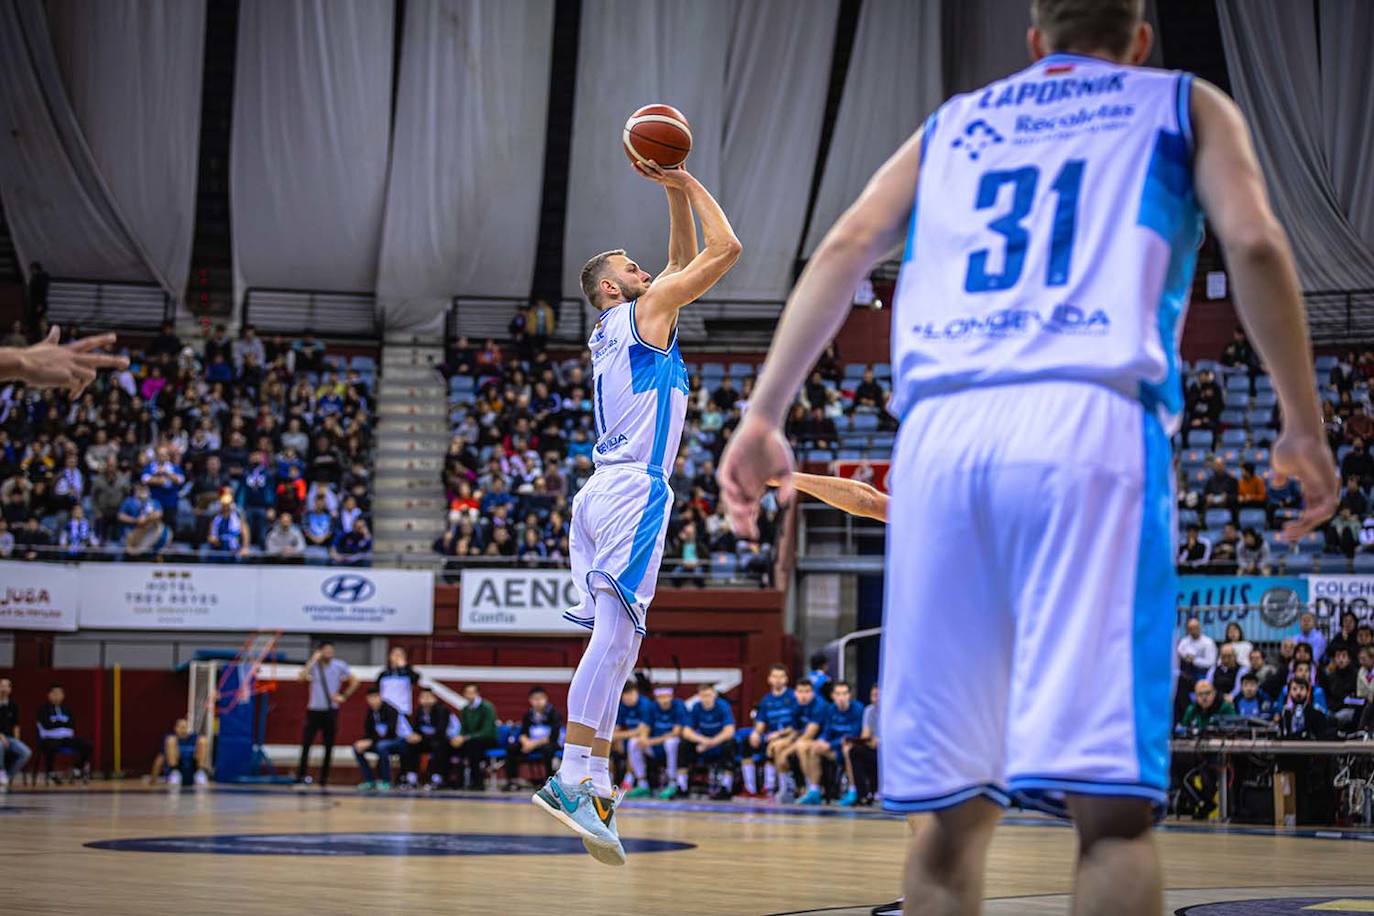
[812, 797]
[640, 791]
[849, 799]
[669, 792]
[590, 816]
[201, 778]
[174, 778]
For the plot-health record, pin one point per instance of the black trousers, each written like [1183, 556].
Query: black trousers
[49, 748]
[439, 751]
[865, 761]
[322, 722]
[470, 758]
[541, 756]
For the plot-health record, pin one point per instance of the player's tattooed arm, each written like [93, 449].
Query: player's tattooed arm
[852, 496]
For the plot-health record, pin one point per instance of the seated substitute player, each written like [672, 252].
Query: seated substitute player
[57, 734]
[666, 719]
[1035, 352]
[811, 710]
[775, 726]
[537, 740]
[433, 728]
[184, 756]
[843, 723]
[709, 738]
[631, 721]
[620, 517]
[861, 754]
[384, 733]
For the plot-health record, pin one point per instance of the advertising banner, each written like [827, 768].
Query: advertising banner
[1332, 596]
[1266, 607]
[330, 599]
[870, 472]
[38, 596]
[152, 596]
[517, 602]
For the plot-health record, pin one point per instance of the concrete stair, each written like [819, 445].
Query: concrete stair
[413, 435]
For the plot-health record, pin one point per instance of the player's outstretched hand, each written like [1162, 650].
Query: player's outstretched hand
[73, 366]
[669, 178]
[756, 454]
[1307, 459]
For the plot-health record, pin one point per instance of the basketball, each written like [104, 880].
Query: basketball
[660, 133]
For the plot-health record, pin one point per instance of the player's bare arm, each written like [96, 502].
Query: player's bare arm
[656, 311]
[1231, 191]
[51, 364]
[682, 232]
[872, 226]
[852, 496]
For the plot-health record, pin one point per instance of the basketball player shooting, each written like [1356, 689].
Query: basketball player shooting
[1051, 223]
[639, 395]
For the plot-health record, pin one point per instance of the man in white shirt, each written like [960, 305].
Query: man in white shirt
[1197, 652]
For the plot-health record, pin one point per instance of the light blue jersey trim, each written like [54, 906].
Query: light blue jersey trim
[1156, 590]
[1046, 794]
[927, 130]
[634, 330]
[1183, 102]
[940, 802]
[646, 533]
[626, 597]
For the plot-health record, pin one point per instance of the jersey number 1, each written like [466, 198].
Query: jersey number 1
[1008, 225]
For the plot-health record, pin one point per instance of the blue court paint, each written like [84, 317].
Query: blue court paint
[1284, 906]
[374, 844]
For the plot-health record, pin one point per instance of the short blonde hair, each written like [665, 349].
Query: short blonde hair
[593, 271]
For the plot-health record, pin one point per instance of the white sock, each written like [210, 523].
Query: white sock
[751, 780]
[637, 764]
[577, 764]
[601, 775]
[670, 747]
[770, 777]
[727, 779]
[812, 787]
[682, 781]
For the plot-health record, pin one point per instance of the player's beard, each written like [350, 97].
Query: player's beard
[631, 292]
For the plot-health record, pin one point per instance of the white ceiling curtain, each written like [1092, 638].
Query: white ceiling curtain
[1272, 55]
[776, 80]
[633, 53]
[58, 207]
[467, 156]
[133, 77]
[308, 159]
[894, 81]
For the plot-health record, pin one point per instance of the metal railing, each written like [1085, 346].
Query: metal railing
[337, 315]
[1340, 316]
[98, 304]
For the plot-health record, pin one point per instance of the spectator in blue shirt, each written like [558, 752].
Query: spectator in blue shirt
[318, 525]
[257, 494]
[820, 674]
[1250, 702]
[165, 480]
[631, 721]
[1308, 633]
[775, 725]
[353, 546]
[140, 521]
[229, 535]
[709, 738]
[497, 496]
[1302, 671]
[667, 716]
[844, 721]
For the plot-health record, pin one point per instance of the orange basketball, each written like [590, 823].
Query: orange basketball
[660, 133]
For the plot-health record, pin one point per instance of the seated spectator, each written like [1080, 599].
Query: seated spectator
[666, 719]
[1253, 557]
[819, 431]
[257, 495]
[1259, 666]
[1221, 491]
[32, 541]
[385, 731]
[57, 735]
[1338, 680]
[863, 757]
[6, 539]
[318, 526]
[164, 478]
[1195, 550]
[1235, 638]
[537, 740]
[1358, 464]
[229, 535]
[1239, 354]
[843, 724]
[1226, 547]
[1250, 702]
[869, 396]
[141, 518]
[1206, 708]
[183, 757]
[1302, 718]
[353, 546]
[1224, 676]
[14, 753]
[688, 562]
[78, 534]
[1308, 634]
[433, 730]
[1251, 491]
[709, 738]
[476, 736]
[285, 540]
[107, 492]
[1302, 670]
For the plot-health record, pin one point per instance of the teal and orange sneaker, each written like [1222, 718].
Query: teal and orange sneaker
[590, 816]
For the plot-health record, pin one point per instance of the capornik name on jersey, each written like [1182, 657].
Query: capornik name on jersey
[1047, 92]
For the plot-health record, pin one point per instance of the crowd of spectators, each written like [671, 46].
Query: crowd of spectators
[1232, 504]
[241, 446]
[521, 449]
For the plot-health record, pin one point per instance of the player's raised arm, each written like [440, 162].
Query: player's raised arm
[50, 364]
[682, 232]
[1231, 190]
[872, 226]
[852, 496]
[657, 308]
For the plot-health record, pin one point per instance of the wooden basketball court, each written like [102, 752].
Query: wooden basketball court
[271, 851]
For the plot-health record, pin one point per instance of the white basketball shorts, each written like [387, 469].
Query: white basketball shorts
[1026, 648]
[619, 520]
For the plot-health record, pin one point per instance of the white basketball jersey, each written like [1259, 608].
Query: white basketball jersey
[1053, 235]
[639, 395]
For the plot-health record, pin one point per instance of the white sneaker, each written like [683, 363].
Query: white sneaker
[201, 779]
[4, 782]
[174, 778]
